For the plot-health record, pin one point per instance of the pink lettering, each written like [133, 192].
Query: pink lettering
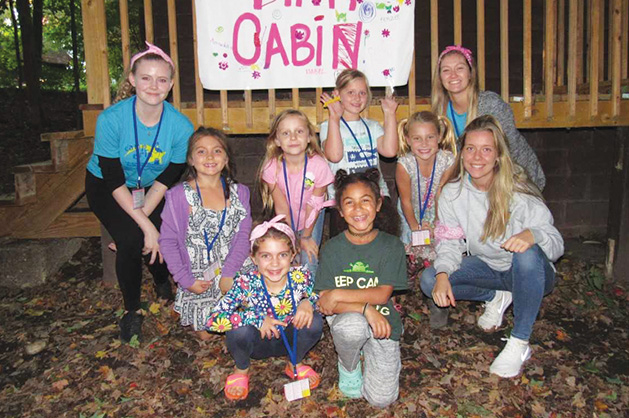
[256, 22]
[259, 4]
[300, 34]
[274, 46]
[347, 34]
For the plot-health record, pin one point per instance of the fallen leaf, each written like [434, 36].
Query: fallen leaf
[154, 308]
[60, 384]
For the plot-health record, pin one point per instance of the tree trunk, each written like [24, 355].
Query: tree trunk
[32, 64]
[16, 39]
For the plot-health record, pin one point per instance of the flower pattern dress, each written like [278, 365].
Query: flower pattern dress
[188, 304]
[246, 302]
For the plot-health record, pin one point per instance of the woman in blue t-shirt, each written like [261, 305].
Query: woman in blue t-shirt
[139, 151]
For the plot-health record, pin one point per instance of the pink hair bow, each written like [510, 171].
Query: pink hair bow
[461, 50]
[443, 232]
[152, 49]
[317, 203]
[274, 223]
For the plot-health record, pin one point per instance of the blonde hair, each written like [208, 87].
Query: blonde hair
[275, 154]
[126, 89]
[509, 178]
[440, 96]
[349, 75]
[447, 139]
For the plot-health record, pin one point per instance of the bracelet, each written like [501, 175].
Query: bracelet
[306, 236]
[332, 100]
[365, 308]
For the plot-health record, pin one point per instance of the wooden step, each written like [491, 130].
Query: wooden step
[66, 148]
[67, 225]
[25, 182]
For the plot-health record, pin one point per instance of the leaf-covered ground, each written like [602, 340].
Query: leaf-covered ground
[59, 356]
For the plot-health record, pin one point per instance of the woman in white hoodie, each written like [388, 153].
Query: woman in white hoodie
[510, 242]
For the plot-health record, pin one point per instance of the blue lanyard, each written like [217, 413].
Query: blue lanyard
[422, 209]
[292, 352]
[137, 143]
[294, 225]
[453, 117]
[209, 244]
[358, 143]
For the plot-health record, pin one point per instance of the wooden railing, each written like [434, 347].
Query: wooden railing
[576, 91]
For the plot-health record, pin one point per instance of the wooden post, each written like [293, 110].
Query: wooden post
[572, 58]
[272, 109]
[549, 72]
[504, 50]
[434, 35]
[174, 51]
[224, 111]
[526, 62]
[458, 37]
[594, 45]
[601, 41]
[618, 219]
[624, 44]
[319, 105]
[149, 33]
[561, 41]
[95, 44]
[580, 38]
[248, 109]
[480, 42]
[614, 63]
[124, 33]
[295, 96]
[198, 87]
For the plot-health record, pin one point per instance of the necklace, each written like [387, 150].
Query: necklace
[359, 234]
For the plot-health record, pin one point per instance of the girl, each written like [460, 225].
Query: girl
[427, 150]
[293, 157]
[455, 94]
[350, 142]
[359, 270]
[276, 315]
[205, 227]
[511, 241]
[139, 151]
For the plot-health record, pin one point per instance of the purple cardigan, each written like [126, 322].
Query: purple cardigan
[172, 238]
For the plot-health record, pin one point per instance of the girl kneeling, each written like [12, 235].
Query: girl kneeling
[511, 241]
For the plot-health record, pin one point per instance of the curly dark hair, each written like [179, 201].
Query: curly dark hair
[387, 218]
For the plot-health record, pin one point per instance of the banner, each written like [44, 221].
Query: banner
[262, 44]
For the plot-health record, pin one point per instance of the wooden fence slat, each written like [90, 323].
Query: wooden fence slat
[224, 110]
[412, 88]
[504, 50]
[573, 32]
[198, 88]
[174, 51]
[580, 39]
[561, 41]
[95, 44]
[550, 65]
[458, 38]
[149, 32]
[614, 47]
[319, 105]
[248, 109]
[594, 52]
[295, 95]
[526, 62]
[601, 40]
[624, 45]
[588, 40]
[272, 106]
[434, 35]
[480, 42]
[124, 32]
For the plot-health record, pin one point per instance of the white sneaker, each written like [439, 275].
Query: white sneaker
[491, 319]
[510, 360]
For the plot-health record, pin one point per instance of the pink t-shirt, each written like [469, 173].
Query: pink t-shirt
[318, 174]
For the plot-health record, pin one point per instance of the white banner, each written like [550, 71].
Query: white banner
[261, 44]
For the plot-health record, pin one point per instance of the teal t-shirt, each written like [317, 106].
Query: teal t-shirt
[115, 138]
[458, 120]
[343, 265]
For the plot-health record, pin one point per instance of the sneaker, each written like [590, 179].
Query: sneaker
[438, 316]
[130, 325]
[495, 309]
[510, 360]
[351, 383]
[164, 291]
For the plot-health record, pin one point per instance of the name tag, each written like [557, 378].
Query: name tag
[213, 272]
[297, 390]
[138, 198]
[421, 237]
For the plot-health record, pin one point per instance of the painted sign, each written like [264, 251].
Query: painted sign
[261, 44]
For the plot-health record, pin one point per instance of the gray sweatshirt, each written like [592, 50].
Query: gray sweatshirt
[467, 207]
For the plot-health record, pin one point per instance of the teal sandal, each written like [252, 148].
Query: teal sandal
[351, 383]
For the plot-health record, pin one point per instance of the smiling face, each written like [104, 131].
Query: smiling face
[423, 140]
[152, 80]
[208, 157]
[293, 135]
[359, 206]
[480, 156]
[354, 97]
[454, 73]
[273, 257]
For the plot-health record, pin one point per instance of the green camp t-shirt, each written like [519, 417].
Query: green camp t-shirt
[343, 265]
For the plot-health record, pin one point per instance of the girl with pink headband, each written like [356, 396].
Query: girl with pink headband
[269, 312]
[456, 95]
[139, 152]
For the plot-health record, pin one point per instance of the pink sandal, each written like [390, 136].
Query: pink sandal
[237, 380]
[304, 371]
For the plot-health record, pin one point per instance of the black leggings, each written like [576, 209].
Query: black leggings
[129, 240]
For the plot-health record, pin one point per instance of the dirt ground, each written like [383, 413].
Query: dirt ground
[60, 356]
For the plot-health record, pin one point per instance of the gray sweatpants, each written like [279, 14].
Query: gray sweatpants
[381, 372]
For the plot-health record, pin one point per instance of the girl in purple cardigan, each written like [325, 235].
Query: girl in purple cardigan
[206, 222]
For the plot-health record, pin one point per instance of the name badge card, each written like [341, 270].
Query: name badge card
[421, 237]
[297, 390]
[138, 198]
[212, 272]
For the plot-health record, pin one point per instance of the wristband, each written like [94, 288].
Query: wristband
[365, 308]
[306, 236]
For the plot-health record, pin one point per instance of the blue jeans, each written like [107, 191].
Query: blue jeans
[530, 277]
[317, 234]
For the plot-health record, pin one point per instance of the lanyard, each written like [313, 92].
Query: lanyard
[358, 143]
[422, 209]
[209, 244]
[301, 197]
[457, 131]
[137, 143]
[292, 351]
